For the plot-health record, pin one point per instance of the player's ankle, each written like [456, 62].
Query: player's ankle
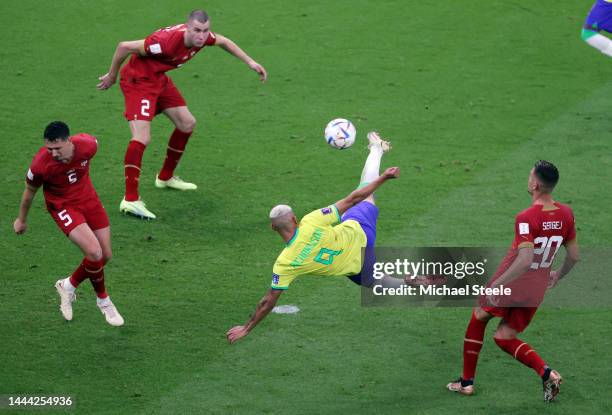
[546, 374]
[466, 382]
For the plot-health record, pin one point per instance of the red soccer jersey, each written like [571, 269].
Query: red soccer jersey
[65, 184]
[545, 229]
[165, 50]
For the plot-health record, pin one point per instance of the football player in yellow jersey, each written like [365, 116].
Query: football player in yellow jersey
[328, 241]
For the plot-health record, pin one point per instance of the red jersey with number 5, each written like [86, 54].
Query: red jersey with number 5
[65, 184]
[546, 229]
[165, 50]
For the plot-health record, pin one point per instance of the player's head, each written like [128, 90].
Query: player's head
[198, 28]
[283, 219]
[56, 140]
[543, 177]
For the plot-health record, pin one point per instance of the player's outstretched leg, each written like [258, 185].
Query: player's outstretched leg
[505, 338]
[371, 169]
[185, 123]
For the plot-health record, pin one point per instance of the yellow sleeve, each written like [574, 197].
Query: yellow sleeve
[280, 280]
[328, 216]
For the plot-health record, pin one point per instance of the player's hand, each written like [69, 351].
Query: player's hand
[236, 333]
[391, 173]
[553, 279]
[106, 81]
[263, 75]
[19, 226]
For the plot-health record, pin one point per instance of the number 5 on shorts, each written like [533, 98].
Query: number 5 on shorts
[64, 217]
[144, 108]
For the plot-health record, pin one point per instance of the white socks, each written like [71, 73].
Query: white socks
[600, 42]
[372, 165]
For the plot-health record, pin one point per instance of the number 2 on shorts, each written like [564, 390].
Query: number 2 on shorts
[144, 108]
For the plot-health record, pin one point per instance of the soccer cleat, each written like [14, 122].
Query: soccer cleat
[111, 314]
[174, 182]
[375, 140]
[552, 386]
[456, 386]
[66, 300]
[136, 208]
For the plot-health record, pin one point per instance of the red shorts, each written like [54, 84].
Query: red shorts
[145, 98]
[69, 217]
[517, 317]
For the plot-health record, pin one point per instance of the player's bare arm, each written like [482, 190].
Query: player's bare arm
[571, 258]
[20, 224]
[231, 47]
[519, 267]
[124, 49]
[360, 195]
[264, 307]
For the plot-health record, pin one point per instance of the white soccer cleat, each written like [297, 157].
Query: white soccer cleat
[375, 140]
[110, 312]
[174, 182]
[66, 300]
[136, 208]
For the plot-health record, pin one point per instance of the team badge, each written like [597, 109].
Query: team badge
[275, 278]
[326, 211]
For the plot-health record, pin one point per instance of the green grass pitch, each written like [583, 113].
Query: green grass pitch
[471, 93]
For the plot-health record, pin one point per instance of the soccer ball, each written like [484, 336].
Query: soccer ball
[340, 133]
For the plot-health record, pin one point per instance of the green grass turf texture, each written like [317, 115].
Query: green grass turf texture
[471, 94]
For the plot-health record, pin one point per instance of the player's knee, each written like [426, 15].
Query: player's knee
[107, 256]
[503, 333]
[481, 314]
[187, 124]
[94, 253]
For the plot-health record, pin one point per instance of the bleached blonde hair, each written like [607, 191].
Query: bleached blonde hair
[281, 216]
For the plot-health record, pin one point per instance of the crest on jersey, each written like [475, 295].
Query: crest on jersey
[326, 211]
[275, 278]
[523, 228]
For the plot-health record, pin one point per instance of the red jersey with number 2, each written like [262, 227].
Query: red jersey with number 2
[165, 50]
[65, 184]
[546, 229]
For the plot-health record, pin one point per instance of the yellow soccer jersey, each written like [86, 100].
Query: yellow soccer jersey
[321, 246]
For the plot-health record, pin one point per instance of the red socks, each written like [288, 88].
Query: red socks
[94, 270]
[176, 146]
[133, 161]
[523, 352]
[472, 344]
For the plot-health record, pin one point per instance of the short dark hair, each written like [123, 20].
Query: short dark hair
[199, 15]
[547, 174]
[57, 130]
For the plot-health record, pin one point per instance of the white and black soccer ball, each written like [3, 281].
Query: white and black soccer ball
[340, 133]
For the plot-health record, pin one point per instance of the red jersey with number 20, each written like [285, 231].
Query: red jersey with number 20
[546, 229]
[65, 184]
[165, 50]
